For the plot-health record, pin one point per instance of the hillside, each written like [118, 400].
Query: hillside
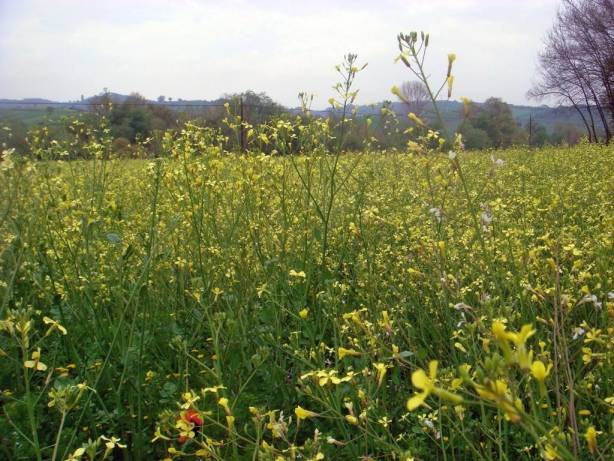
[36, 110]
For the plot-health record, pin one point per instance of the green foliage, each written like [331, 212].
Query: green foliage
[475, 138]
[495, 119]
[567, 134]
[538, 134]
[199, 303]
[135, 119]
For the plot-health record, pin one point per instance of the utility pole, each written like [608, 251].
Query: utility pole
[242, 126]
[530, 130]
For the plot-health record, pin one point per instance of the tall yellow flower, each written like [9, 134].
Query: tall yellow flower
[521, 337]
[223, 402]
[343, 352]
[426, 383]
[591, 439]
[301, 413]
[381, 372]
[35, 363]
[520, 355]
[54, 325]
[498, 392]
[539, 371]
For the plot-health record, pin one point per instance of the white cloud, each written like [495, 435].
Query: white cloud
[201, 49]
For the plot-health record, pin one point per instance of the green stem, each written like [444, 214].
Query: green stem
[31, 416]
[424, 79]
[57, 438]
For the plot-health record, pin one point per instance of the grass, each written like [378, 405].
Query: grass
[212, 312]
[36, 116]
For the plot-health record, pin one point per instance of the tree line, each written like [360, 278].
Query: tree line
[136, 122]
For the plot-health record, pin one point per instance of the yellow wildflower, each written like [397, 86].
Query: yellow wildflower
[414, 118]
[550, 453]
[110, 444]
[498, 392]
[158, 435]
[54, 326]
[381, 372]
[223, 402]
[76, 455]
[35, 363]
[591, 439]
[426, 383]
[343, 352]
[301, 413]
[188, 399]
[539, 370]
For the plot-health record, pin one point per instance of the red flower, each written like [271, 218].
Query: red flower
[182, 439]
[193, 417]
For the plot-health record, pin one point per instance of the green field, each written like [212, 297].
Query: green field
[363, 306]
[35, 116]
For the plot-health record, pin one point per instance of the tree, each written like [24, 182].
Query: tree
[13, 133]
[565, 133]
[474, 138]
[415, 97]
[257, 107]
[577, 64]
[494, 117]
[137, 118]
[101, 105]
[538, 135]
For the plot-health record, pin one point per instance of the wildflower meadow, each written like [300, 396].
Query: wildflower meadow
[298, 301]
[207, 306]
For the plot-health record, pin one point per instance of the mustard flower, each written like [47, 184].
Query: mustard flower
[302, 413]
[426, 383]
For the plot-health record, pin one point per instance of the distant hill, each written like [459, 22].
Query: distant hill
[451, 112]
[34, 110]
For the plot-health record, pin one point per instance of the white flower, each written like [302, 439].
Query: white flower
[451, 155]
[6, 159]
[497, 161]
[461, 307]
[596, 302]
[591, 299]
[577, 332]
[486, 217]
[437, 213]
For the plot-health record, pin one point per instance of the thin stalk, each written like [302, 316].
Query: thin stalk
[57, 438]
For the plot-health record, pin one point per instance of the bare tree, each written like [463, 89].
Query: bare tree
[415, 97]
[563, 81]
[101, 105]
[577, 64]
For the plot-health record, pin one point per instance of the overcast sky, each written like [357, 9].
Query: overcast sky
[201, 49]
